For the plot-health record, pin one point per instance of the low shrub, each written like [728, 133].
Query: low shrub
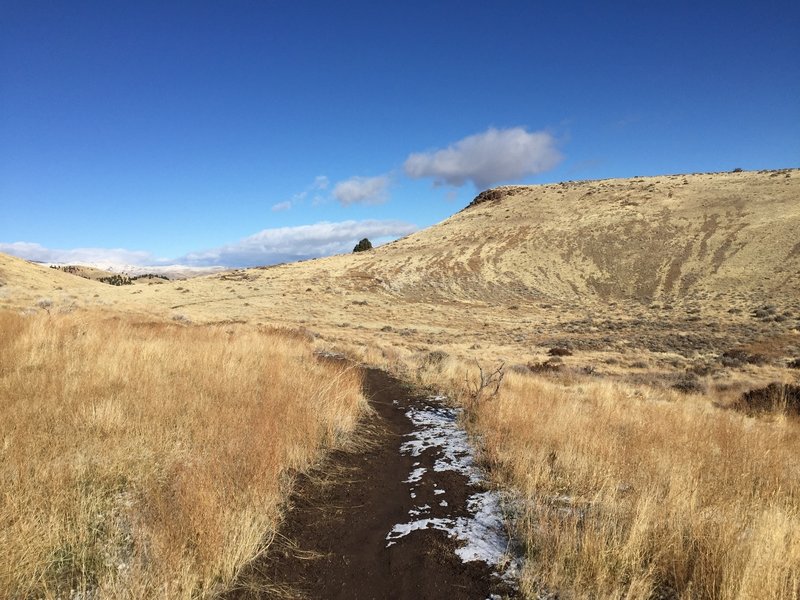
[775, 397]
[559, 351]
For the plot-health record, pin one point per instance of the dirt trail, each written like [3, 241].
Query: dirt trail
[381, 523]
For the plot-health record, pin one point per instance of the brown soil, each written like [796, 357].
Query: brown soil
[333, 541]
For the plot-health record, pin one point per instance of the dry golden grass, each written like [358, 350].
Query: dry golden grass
[627, 491]
[652, 265]
[150, 460]
[628, 487]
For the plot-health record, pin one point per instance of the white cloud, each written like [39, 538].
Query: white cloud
[362, 190]
[487, 158]
[285, 244]
[270, 246]
[320, 183]
[95, 256]
[281, 206]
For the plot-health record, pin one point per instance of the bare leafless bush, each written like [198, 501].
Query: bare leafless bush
[487, 384]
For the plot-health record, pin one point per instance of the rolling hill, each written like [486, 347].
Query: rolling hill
[685, 264]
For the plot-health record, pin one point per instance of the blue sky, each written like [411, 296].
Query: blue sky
[250, 132]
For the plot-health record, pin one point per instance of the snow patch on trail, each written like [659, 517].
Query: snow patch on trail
[416, 475]
[481, 535]
[484, 532]
[437, 427]
[402, 530]
[414, 512]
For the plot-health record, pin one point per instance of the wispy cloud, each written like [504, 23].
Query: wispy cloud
[284, 244]
[321, 182]
[96, 256]
[362, 190]
[487, 158]
[281, 206]
[269, 246]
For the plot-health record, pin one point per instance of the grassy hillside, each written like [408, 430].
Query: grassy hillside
[679, 268]
[24, 285]
[630, 316]
[690, 266]
[677, 239]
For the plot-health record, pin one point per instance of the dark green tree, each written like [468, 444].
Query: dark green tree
[364, 244]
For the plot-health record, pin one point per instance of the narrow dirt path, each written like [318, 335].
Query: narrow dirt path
[395, 519]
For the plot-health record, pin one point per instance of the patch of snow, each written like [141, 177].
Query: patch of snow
[416, 475]
[481, 535]
[438, 428]
[403, 529]
[415, 512]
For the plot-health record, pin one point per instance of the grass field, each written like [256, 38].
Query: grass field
[631, 491]
[140, 412]
[141, 459]
[636, 493]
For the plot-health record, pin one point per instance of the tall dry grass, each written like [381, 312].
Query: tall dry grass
[150, 460]
[632, 492]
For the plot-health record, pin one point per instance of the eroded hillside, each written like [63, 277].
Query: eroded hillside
[666, 239]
